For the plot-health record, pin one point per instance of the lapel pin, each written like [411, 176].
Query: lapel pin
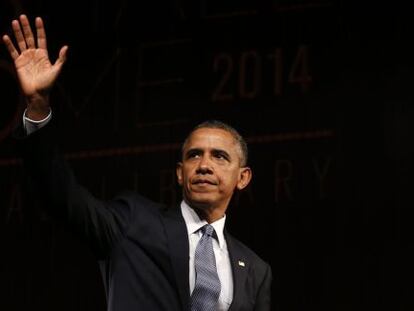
[241, 263]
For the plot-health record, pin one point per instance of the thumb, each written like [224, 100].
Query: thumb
[62, 56]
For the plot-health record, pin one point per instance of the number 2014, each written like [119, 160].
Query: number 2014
[250, 73]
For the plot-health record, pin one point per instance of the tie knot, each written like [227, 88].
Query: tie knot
[209, 230]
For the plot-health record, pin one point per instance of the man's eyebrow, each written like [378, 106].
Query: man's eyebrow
[193, 150]
[221, 151]
[214, 151]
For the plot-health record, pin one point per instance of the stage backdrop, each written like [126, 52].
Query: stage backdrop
[322, 91]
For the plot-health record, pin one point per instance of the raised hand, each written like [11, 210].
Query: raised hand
[35, 72]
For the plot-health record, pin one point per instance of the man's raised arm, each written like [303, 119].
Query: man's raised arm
[99, 223]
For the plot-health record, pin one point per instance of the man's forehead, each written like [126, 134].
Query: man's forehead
[210, 137]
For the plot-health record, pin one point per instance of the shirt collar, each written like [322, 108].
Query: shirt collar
[194, 223]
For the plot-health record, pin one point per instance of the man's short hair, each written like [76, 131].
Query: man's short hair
[216, 124]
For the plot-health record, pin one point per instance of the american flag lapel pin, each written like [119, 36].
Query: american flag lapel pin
[241, 263]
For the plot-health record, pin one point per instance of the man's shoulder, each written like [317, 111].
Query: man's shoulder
[139, 205]
[139, 201]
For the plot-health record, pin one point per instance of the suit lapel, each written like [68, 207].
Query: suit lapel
[240, 268]
[178, 245]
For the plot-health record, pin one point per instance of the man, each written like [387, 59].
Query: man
[151, 258]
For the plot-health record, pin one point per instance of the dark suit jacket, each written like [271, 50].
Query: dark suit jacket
[142, 247]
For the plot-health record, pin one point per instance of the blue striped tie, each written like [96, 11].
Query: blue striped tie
[207, 284]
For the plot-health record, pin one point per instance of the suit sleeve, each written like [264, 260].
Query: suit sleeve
[263, 300]
[98, 223]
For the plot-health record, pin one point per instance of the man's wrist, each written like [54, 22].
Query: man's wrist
[46, 117]
[38, 107]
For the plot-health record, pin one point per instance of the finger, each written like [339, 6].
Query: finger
[19, 35]
[10, 47]
[62, 56]
[41, 33]
[27, 31]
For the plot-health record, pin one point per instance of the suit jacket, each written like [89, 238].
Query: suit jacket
[141, 246]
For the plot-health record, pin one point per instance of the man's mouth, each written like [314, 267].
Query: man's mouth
[203, 182]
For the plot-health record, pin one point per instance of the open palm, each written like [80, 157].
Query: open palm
[35, 72]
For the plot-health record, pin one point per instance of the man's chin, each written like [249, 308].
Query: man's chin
[200, 202]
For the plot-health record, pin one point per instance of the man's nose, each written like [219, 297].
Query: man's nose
[204, 166]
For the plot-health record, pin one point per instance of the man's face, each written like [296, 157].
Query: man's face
[210, 169]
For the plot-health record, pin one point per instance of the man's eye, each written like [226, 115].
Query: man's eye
[193, 155]
[221, 156]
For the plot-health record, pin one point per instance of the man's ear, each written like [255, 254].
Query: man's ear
[244, 177]
[179, 172]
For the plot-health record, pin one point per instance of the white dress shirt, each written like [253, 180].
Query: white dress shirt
[194, 223]
[31, 125]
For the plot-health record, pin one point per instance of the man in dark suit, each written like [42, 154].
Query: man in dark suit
[149, 255]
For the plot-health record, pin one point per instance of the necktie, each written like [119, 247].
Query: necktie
[207, 284]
